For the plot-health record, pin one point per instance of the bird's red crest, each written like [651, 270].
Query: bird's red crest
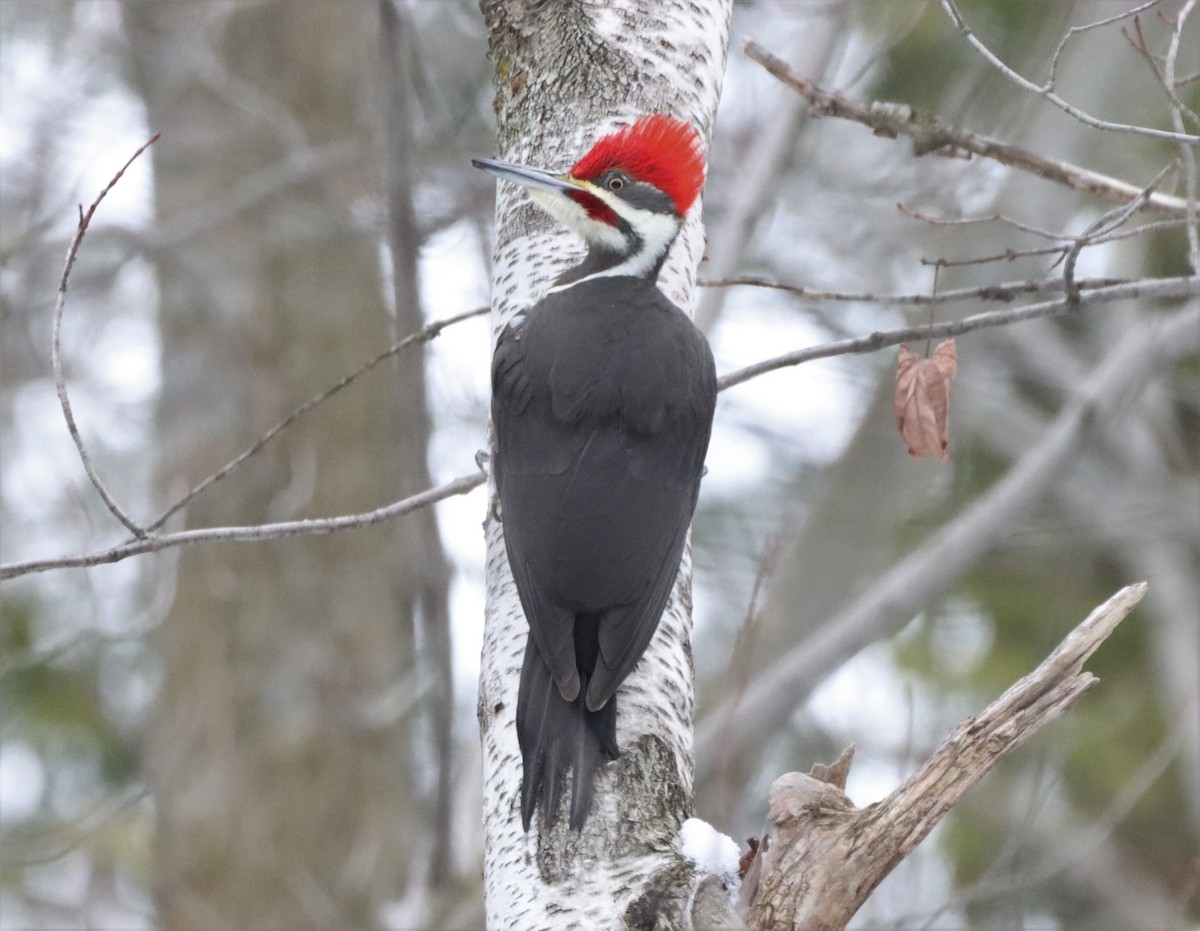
[660, 150]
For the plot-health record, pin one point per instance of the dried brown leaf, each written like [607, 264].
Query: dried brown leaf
[922, 400]
[748, 857]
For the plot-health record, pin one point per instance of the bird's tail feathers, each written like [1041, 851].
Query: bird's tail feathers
[556, 735]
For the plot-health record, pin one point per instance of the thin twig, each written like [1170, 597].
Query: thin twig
[43, 845]
[1185, 151]
[140, 533]
[932, 310]
[1046, 92]
[277, 531]
[1105, 229]
[1008, 255]
[1107, 223]
[1142, 48]
[1062, 251]
[740, 662]
[60, 382]
[1154, 226]
[422, 336]
[1007, 292]
[1159, 288]
[930, 134]
[1052, 81]
[974, 221]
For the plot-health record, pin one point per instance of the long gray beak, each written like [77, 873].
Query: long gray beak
[524, 176]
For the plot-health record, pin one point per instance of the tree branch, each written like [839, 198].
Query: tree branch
[1186, 152]
[60, 382]
[145, 540]
[1003, 293]
[1107, 224]
[824, 857]
[1046, 91]
[422, 336]
[929, 134]
[1159, 288]
[1073, 31]
[153, 543]
[1140, 46]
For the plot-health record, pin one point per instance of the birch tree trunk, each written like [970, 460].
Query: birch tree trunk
[566, 73]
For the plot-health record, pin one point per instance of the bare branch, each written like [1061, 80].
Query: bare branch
[1052, 81]
[1008, 255]
[145, 539]
[1107, 224]
[1062, 251]
[1142, 48]
[989, 292]
[1154, 226]
[930, 134]
[1186, 152]
[1158, 287]
[741, 671]
[424, 335]
[973, 221]
[1046, 92]
[294, 528]
[60, 382]
[841, 853]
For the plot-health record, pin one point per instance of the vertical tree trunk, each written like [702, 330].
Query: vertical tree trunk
[279, 759]
[424, 579]
[565, 73]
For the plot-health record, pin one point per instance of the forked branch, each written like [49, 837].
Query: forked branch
[1046, 91]
[823, 857]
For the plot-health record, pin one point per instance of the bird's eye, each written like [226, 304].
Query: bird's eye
[615, 183]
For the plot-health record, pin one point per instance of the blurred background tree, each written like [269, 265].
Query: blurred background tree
[280, 735]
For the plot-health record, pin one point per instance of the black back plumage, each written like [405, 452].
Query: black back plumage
[602, 403]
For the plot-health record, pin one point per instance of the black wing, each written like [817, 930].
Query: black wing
[530, 452]
[602, 416]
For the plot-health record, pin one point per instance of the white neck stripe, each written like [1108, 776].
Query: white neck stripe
[627, 268]
[657, 231]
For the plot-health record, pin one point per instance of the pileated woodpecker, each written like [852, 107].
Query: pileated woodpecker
[602, 405]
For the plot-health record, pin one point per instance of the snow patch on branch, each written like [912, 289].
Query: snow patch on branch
[712, 852]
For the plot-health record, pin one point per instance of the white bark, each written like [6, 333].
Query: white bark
[566, 73]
